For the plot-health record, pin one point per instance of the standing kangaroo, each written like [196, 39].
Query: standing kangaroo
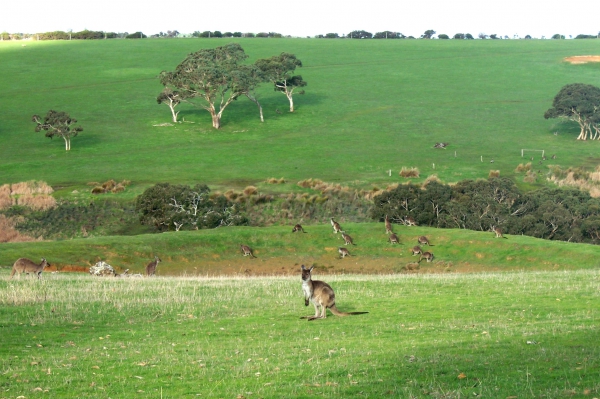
[24, 265]
[247, 251]
[393, 239]
[298, 228]
[388, 225]
[336, 226]
[423, 240]
[347, 239]
[498, 232]
[409, 221]
[321, 295]
[151, 267]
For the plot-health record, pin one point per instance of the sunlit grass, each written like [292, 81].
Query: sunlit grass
[490, 335]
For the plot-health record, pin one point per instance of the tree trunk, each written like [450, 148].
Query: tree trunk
[67, 143]
[255, 101]
[289, 96]
[173, 112]
[216, 120]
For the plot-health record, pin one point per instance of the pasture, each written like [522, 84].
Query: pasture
[370, 106]
[492, 335]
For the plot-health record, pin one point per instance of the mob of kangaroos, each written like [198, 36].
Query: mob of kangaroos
[321, 295]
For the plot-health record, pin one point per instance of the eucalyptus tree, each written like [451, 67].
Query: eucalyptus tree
[211, 79]
[279, 70]
[580, 103]
[57, 123]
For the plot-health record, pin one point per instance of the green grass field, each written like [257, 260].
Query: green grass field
[370, 106]
[508, 335]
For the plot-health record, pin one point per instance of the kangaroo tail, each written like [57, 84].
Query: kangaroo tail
[336, 312]
[13, 272]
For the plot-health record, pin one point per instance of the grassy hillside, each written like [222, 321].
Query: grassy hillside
[370, 106]
[508, 335]
[279, 251]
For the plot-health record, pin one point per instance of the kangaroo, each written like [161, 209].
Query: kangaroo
[24, 265]
[321, 295]
[498, 232]
[428, 256]
[347, 239]
[423, 240]
[247, 251]
[336, 226]
[388, 225]
[416, 250]
[409, 221]
[343, 252]
[298, 228]
[151, 267]
[393, 239]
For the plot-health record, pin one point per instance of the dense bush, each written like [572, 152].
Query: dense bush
[549, 213]
[174, 207]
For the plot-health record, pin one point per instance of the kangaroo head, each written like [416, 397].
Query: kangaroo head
[157, 259]
[306, 273]
[45, 263]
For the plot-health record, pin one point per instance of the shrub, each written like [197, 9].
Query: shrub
[409, 172]
[493, 174]
[523, 168]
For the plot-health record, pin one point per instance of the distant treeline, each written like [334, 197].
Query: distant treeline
[357, 34]
[550, 213]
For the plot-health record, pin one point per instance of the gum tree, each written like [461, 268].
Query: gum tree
[210, 79]
[57, 123]
[579, 103]
[278, 70]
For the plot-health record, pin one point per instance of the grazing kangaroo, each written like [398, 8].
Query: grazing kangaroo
[393, 239]
[298, 228]
[24, 265]
[416, 250]
[151, 267]
[428, 256]
[347, 239]
[409, 221]
[321, 295]
[336, 226]
[388, 225]
[498, 232]
[343, 252]
[423, 241]
[247, 251]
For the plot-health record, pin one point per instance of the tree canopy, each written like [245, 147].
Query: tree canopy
[58, 123]
[211, 79]
[578, 102]
[278, 70]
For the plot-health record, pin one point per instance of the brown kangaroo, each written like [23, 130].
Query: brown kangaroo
[247, 251]
[409, 221]
[298, 228]
[498, 232]
[347, 239]
[24, 265]
[393, 239]
[416, 250]
[388, 225]
[336, 226]
[321, 295]
[151, 267]
[423, 240]
[428, 256]
[343, 252]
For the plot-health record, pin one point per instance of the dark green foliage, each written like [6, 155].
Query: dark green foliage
[57, 123]
[136, 35]
[331, 36]
[71, 219]
[558, 36]
[469, 36]
[428, 34]
[388, 35]
[359, 34]
[580, 103]
[555, 214]
[582, 36]
[237, 34]
[459, 36]
[443, 36]
[174, 207]
[88, 35]
[278, 70]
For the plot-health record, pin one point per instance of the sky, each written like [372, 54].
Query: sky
[306, 17]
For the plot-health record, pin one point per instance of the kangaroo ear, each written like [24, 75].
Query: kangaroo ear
[303, 268]
[310, 270]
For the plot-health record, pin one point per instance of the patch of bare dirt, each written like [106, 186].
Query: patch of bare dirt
[583, 59]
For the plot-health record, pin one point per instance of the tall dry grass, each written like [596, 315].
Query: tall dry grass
[577, 178]
[6, 200]
[31, 187]
[31, 194]
[409, 172]
[8, 232]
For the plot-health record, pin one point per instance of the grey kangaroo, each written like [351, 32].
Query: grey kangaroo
[321, 295]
